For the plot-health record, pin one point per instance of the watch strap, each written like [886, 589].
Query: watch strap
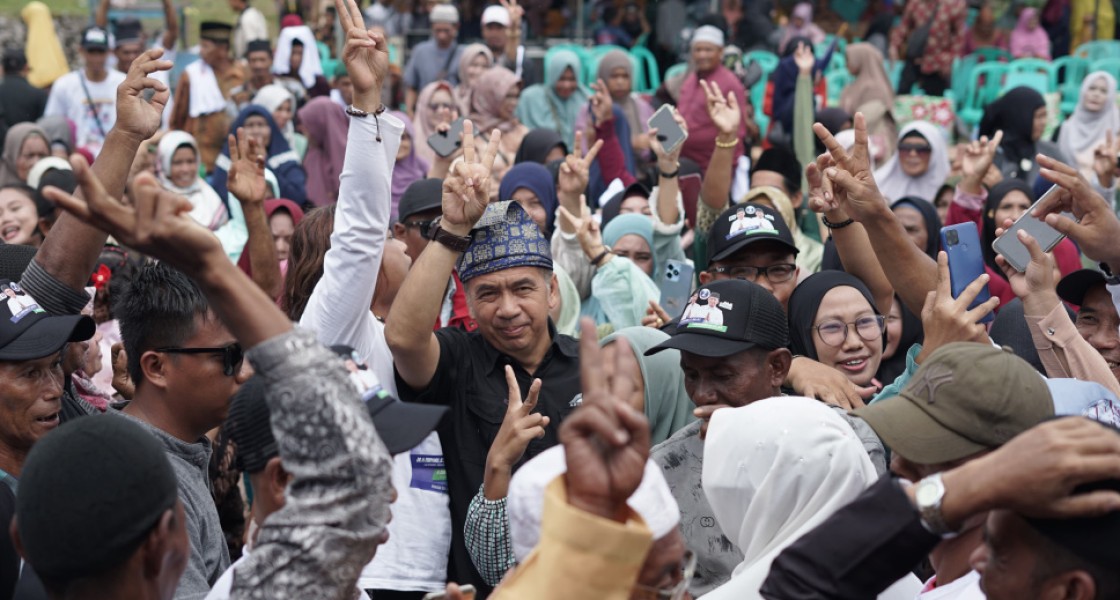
[929, 494]
[454, 242]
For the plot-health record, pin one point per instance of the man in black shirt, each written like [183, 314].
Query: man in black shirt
[506, 268]
[19, 100]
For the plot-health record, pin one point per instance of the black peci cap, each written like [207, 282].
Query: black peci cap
[422, 195]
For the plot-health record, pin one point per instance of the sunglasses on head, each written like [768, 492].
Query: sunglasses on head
[232, 355]
[919, 148]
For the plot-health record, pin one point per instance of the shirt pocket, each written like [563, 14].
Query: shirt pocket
[486, 409]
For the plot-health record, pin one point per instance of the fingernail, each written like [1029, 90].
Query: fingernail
[831, 172]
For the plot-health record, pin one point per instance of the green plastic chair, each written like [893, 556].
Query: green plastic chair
[677, 69]
[1034, 66]
[836, 81]
[984, 87]
[894, 72]
[645, 70]
[1067, 73]
[990, 54]
[962, 75]
[1098, 49]
[1040, 82]
[767, 61]
[1108, 65]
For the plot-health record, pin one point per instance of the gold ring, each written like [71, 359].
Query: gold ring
[660, 322]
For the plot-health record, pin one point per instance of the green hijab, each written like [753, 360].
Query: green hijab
[540, 107]
[668, 406]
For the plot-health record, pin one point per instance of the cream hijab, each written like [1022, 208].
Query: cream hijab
[773, 471]
[896, 184]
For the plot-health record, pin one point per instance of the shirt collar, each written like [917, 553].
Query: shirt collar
[567, 346]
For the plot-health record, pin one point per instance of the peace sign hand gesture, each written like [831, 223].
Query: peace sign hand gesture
[520, 425]
[575, 171]
[466, 189]
[851, 177]
[366, 56]
[516, 13]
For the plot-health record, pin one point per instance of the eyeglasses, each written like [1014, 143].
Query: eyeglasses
[774, 273]
[919, 148]
[436, 106]
[834, 333]
[424, 226]
[677, 592]
[232, 355]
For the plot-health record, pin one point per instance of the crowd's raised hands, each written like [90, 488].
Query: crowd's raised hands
[137, 116]
[976, 163]
[804, 59]
[1096, 229]
[576, 168]
[852, 181]
[519, 427]
[724, 111]
[946, 319]
[366, 56]
[602, 107]
[1106, 163]
[246, 172]
[466, 189]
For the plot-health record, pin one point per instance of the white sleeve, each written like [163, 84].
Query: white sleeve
[56, 101]
[338, 310]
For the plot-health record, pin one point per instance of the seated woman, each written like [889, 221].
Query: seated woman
[177, 170]
[871, 93]
[920, 166]
[435, 106]
[1086, 129]
[24, 146]
[280, 159]
[773, 471]
[495, 106]
[473, 62]
[542, 146]
[555, 104]
[832, 319]
[1029, 39]
[621, 290]
[617, 72]
[1021, 114]
[282, 106]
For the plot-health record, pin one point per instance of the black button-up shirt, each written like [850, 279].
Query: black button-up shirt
[471, 380]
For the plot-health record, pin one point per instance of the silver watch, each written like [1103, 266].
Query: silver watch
[928, 494]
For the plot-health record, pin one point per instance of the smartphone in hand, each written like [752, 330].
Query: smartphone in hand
[961, 243]
[445, 143]
[669, 132]
[676, 286]
[1012, 250]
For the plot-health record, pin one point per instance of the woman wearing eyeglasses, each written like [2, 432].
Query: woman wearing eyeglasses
[919, 167]
[434, 107]
[832, 319]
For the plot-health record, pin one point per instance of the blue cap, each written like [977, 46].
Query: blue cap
[505, 237]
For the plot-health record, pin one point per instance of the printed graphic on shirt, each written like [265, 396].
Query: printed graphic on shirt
[748, 220]
[428, 473]
[103, 109]
[704, 311]
[19, 303]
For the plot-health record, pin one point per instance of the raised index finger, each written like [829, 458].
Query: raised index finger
[834, 148]
[592, 376]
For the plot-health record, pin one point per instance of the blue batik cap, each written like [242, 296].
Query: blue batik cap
[505, 237]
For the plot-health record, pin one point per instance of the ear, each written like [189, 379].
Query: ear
[277, 479]
[399, 230]
[553, 292]
[705, 278]
[154, 365]
[1074, 585]
[778, 363]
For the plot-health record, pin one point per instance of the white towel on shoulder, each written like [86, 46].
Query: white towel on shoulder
[206, 96]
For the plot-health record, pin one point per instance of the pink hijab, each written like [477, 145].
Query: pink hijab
[424, 120]
[1028, 42]
[486, 102]
[327, 128]
[409, 169]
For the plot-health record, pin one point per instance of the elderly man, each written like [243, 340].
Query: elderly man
[504, 263]
[435, 59]
[205, 90]
[707, 54]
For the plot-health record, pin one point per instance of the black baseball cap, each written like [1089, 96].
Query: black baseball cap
[727, 317]
[422, 195]
[95, 38]
[746, 224]
[128, 30]
[28, 332]
[1072, 287]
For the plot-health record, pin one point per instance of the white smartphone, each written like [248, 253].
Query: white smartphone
[669, 132]
[1012, 250]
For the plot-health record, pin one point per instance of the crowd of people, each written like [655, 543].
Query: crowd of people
[312, 320]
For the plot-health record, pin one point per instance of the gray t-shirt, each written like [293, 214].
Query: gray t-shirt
[681, 458]
[429, 63]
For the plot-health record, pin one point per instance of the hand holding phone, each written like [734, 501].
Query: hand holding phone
[961, 244]
[669, 132]
[1012, 249]
[445, 143]
[676, 285]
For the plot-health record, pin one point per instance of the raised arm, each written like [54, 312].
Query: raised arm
[247, 184]
[408, 329]
[72, 248]
[715, 191]
[513, 40]
[101, 15]
[572, 180]
[170, 25]
[339, 307]
[667, 205]
[910, 271]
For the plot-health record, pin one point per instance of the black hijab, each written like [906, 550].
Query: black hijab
[806, 301]
[931, 218]
[988, 232]
[1014, 114]
[912, 333]
[537, 144]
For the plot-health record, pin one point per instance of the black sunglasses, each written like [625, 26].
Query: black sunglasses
[424, 226]
[232, 355]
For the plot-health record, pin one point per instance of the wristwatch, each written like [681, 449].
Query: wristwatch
[458, 243]
[928, 494]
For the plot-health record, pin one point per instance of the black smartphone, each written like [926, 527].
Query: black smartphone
[669, 133]
[445, 143]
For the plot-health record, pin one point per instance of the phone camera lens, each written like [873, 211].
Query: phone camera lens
[952, 237]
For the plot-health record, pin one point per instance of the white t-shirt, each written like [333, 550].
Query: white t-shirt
[964, 588]
[68, 99]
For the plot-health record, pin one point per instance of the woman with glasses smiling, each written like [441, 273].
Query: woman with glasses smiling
[832, 319]
[919, 167]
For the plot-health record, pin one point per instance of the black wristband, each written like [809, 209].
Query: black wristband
[669, 175]
[831, 225]
[598, 259]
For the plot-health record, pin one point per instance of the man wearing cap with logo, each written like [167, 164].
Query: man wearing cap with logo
[965, 400]
[435, 59]
[1097, 321]
[506, 268]
[205, 92]
[501, 32]
[419, 208]
[733, 341]
[88, 96]
[753, 242]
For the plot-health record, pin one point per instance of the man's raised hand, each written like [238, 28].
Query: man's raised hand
[366, 56]
[466, 189]
[137, 117]
[852, 178]
[246, 173]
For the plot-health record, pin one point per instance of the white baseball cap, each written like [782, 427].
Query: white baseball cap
[495, 14]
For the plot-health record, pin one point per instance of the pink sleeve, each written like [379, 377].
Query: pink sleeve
[612, 163]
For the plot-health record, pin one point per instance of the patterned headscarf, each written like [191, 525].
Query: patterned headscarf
[505, 237]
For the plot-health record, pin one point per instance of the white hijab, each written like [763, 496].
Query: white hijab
[310, 68]
[773, 471]
[895, 184]
[209, 211]
[1084, 130]
[271, 97]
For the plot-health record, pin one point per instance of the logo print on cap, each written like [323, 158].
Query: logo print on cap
[933, 378]
[748, 220]
[19, 303]
[704, 312]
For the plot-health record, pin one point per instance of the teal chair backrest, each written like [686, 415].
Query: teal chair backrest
[1069, 71]
[1040, 82]
[1108, 65]
[1098, 49]
[986, 84]
[990, 54]
[677, 69]
[767, 61]
[645, 69]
